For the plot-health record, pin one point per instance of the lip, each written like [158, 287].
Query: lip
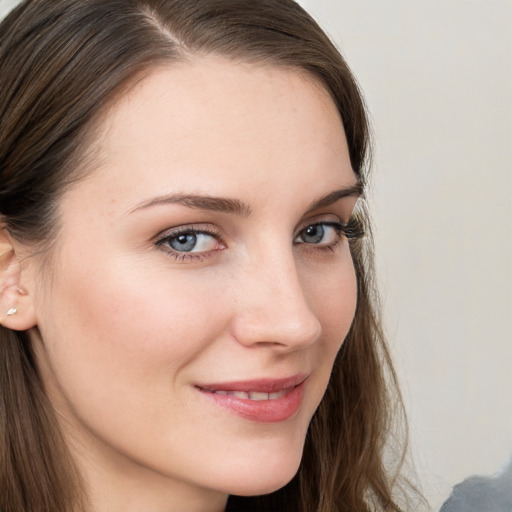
[290, 391]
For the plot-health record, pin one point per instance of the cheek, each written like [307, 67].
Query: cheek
[171, 316]
[332, 293]
[127, 330]
[333, 298]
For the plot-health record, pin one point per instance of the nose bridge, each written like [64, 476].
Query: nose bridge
[275, 303]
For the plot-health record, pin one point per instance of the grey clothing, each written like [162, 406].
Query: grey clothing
[482, 494]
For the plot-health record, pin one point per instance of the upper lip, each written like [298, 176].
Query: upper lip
[263, 385]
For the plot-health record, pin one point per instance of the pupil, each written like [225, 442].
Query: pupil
[184, 242]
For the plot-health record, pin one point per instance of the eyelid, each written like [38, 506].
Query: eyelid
[330, 219]
[206, 229]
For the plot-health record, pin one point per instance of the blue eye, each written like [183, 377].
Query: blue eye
[323, 233]
[313, 234]
[190, 241]
[183, 243]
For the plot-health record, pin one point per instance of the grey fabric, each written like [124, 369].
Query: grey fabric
[482, 494]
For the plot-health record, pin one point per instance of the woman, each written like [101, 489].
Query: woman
[187, 306]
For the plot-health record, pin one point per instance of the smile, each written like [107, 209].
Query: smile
[263, 400]
[254, 395]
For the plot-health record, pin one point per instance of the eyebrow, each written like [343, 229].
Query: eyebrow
[237, 207]
[199, 202]
[331, 198]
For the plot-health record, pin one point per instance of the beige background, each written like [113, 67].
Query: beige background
[437, 75]
[5, 6]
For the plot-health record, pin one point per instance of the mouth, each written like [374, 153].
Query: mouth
[254, 395]
[261, 400]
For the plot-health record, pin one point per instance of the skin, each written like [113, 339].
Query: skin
[124, 328]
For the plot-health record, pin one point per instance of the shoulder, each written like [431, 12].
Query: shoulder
[480, 493]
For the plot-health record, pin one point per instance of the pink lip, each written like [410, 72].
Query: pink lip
[273, 410]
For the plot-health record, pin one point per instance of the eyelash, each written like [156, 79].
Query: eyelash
[351, 231]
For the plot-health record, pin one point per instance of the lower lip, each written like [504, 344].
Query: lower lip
[262, 411]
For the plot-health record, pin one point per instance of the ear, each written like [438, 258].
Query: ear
[16, 305]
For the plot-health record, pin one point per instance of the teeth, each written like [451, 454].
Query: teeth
[257, 396]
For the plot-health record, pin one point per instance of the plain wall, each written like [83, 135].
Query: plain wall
[5, 6]
[437, 76]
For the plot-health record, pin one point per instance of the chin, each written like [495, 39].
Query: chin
[263, 463]
[266, 479]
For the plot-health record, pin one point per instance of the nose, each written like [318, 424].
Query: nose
[272, 305]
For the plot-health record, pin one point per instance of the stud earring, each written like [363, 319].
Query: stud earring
[12, 311]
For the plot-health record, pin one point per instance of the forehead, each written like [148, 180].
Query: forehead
[213, 121]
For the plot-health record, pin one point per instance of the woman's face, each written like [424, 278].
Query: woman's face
[201, 286]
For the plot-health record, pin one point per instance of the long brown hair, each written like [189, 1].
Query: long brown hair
[62, 62]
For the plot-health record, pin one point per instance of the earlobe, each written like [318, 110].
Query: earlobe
[16, 305]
